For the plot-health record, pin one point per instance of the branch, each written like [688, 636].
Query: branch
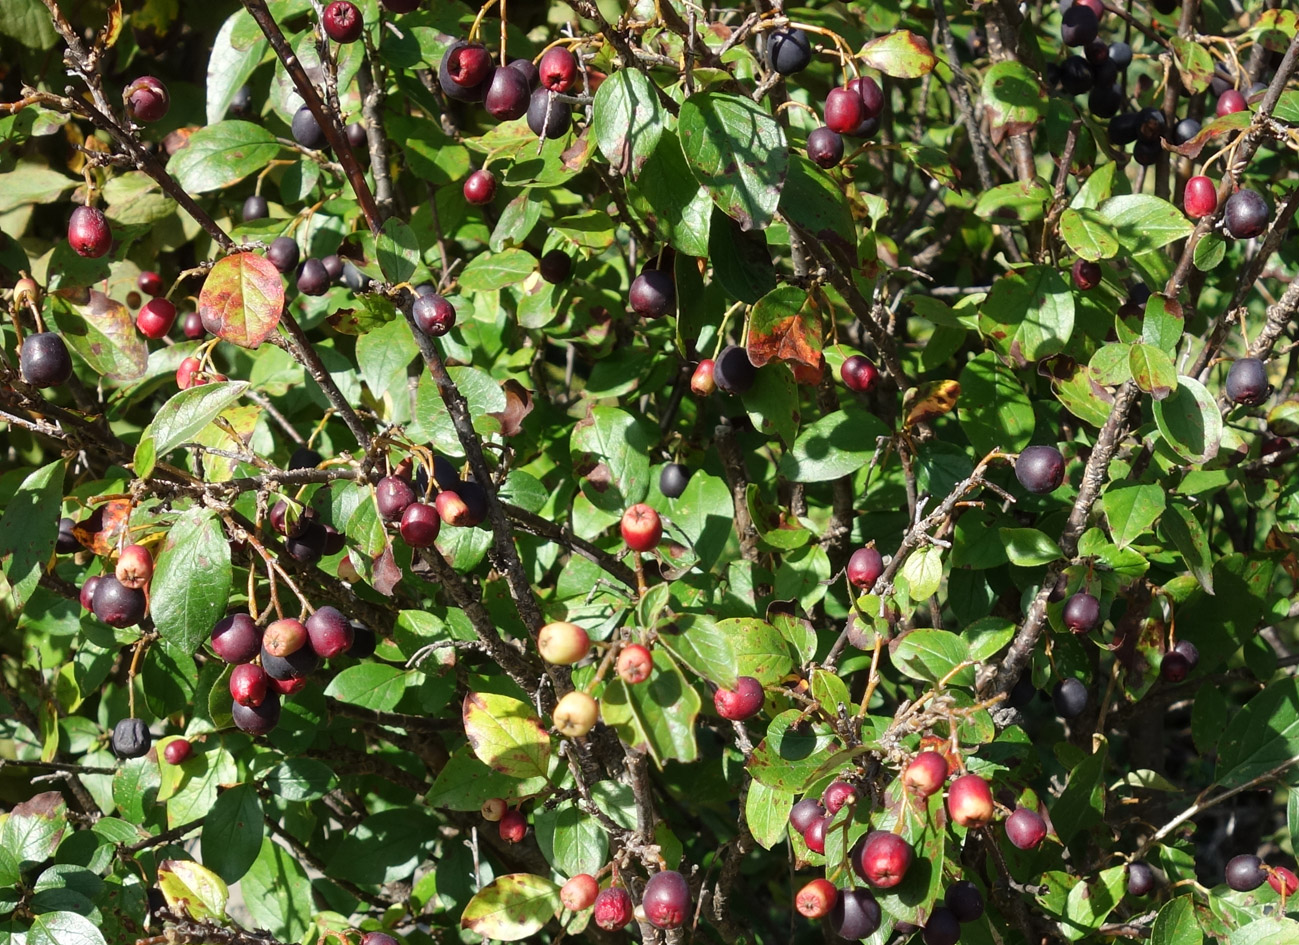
[536, 525]
[305, 354]
[737, 478]
[157, 840]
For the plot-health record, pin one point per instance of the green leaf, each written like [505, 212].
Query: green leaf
[465, 782]
[230, 66]
[135, 787]
[901, 54]
[1024, 201]
[1273, 930]
[1029, 314]
[194, 890]
[191, 580]
[810, 199]
[1142, 222]
[1176, 924]
[220, 155]
[63, 928]
[488, 271]
[1209, 252]
[1028, 547]
[703, 514]
[772, 403]
[277, 893]
[1082, 802]
[699, 643]
[994, 410]
[101, 331]
[666, 196]
[628, 120]
[1088, 235]
[383, 356]
[33, 829]
[397, 250]
[187, 412]
[506, 735]
[384, 848]
[514, 906]
[300, 779]
[1161, 327]
[760, 650]
[741, 261]
[930, 655]
[792, 753]
[33, 183]
[571, 840]
[767, 812]
[1090, 902]
[609, 449]
[1152, 370]
[1189, 421]
[29, 530]
[377, 686]
[1183, 530]
[232, 833]
[1261, 736]
[28, 21]
[737, 151]
[1013, 97]
[1131, 508]
[923, 571]
[656, 716]
[1193, 63]
[515, 223]
[838, 444]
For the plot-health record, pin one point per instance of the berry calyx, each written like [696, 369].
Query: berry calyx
[816, 899]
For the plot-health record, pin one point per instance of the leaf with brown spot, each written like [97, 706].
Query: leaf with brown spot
[518, 404]
[101, 331]
[506, 735]
[901, 54]
[386, 572]
[102, 530]
[785, 326]
[929, 401]
[242, 299]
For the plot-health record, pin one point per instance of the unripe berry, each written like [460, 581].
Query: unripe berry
[494, 809]
[134, 567]
[816, 899]
[635, 664]
[563, 643]
[342, 21]
[89, 233]
[702, 382]
[177, 752]
[613, 908]
[578, 894]
[740, 703]
[1025, 828]
[575, 714]
[147, 99]
[666, 900]
[1200, 198]
[641, 528]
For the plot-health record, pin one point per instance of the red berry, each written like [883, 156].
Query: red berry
[613, 908]
[635, 664]
[969, 801]
[557, 70]
[147, 99]
[177, 752]
[1230, 102]
[701, 382]
[285, 637]
[513, 826]
[248, 683]
[330, 632]
[883, 859]
[641, 528]
[89, 233]
[1086, 274]
[150, 283]
[740, 703]
[814, 835]
[579, 893]
[837, 794]
[1283, 881]
[858, 373]
[666, 900]
[419, 525]
[342, 21]
[155, 318]
[816, 899]
[480, 187]
[1025, 828]
[926, 774]
[864, 568]
[1200, 198]
[134, 567]
[843, 110]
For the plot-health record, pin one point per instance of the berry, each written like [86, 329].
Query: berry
[433, 315]
[969, 801]
[1025, 828]
[1082, 612]
[306, 130]
[259, 719]
[507, 95]
[1086, 274]
[816, 899]
[191, 326]
[733, 372]
[857, 373]
[1123, 128]
[740, 703]
[419, 525]
[284, 637]
[299, 664]
[1245, 872]
[356, 136]
[804, 812]
[1174, 667]
[283, 253]
[1230, 102]
[1146, 152]
[575, 714]
[493, 809]
[653, 294]
[1040, 469]
[1078, 26]
[856, 914]
[150, 283]
[926, 774]
[837, 794]
[844, 110]
[480, 188]
[248, 684]
[547, 116]
[392, 495]
[556, 266]
[329, 632]
[1247, 382]
[89, 233]
[1151, 125]
[562, 643]
[1200, 199]
[864, 568]
[333, 264]
[635, 664]
[673, 480]
[177, 752]
[883, 859]
[1104, 101]
[702, 381]
[1121, 55]
[313, 277]
[280, 521]
[146, 99]
[460, 63]
[464, 505]
[824, 147]
[380, 938]
[814, 835]
[236, 639]
[255, 208]
[557, 70]
[67, 542]
[131, 739]
[788, 51]
[1188, 649]
[578, 894]
[666, 900]
[44, 360]
[613, 908]
[1141, 879]
[342, 21]
[513, 826]
[1069, 697]
[641, 528]
[305, 458]
[1185, 130]
[364, 642]
[117, 605]
[943, 928]
[965, 900]
[134, 567]
[1246, 214]
[1076, 76]
[308, 547]
[1283, 881]
[87, 595]
[285, 687]
[872, 99]
[156, 317]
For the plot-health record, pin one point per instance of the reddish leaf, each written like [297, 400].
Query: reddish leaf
[386, 572]
[103, 529]
[242, 299]
[783, 327]
[518, 404]
[930, 400]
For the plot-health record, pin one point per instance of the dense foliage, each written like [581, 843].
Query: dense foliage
[728, 474]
